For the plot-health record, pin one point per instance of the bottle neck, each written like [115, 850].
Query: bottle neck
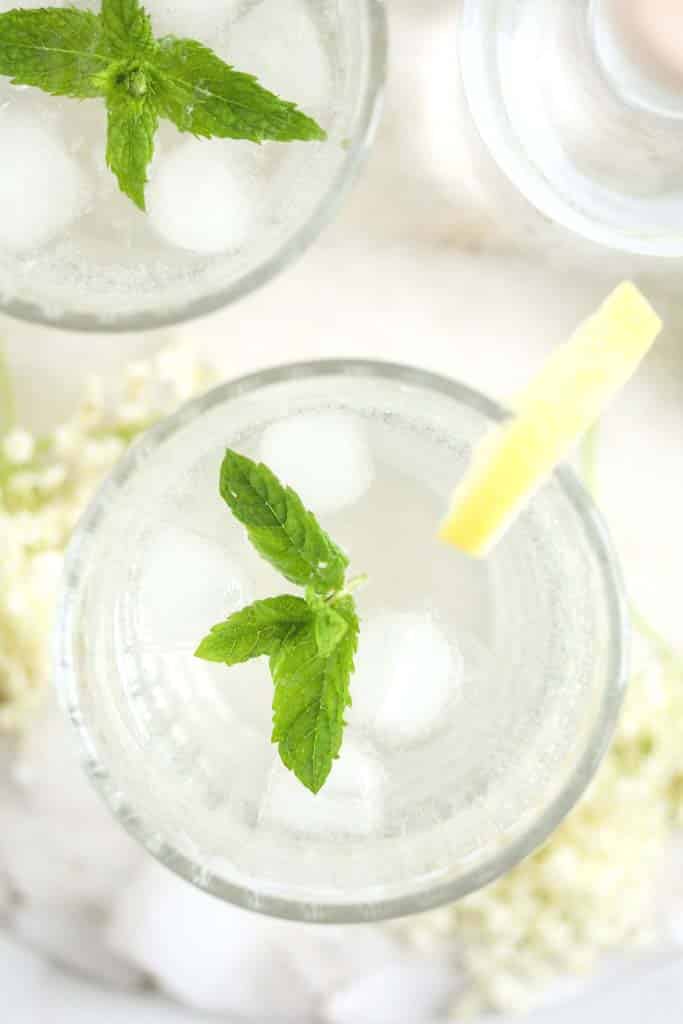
[637, 44]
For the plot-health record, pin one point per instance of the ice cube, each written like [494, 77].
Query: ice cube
[198, 506]
[204, 20]
[279, 42]
[324, 456]
[408, 676]
[207, 954]
[350, 802]
[403, 992]
[188, 585]
[248, 691]
[42, 188]
[204, 195]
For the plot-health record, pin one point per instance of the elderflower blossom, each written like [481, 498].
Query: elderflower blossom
[589, 890]
[45, 484]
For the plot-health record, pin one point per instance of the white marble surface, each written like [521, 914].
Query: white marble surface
[432, 262]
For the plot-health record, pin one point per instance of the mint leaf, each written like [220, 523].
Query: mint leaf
[203, 95]
[67, 52]
[311, 643]
[260, 629]
[127, 25]
[131, 127]
[280, 528]
[60, 50]
[330, 626]
[311, 696]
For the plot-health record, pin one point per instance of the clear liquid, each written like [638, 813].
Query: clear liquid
[72, 245]
[187, 744]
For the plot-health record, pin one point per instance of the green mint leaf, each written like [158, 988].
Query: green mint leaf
[280, 528]
[311, 643]
[131, 127]
[330, 626]
[203, 95]
[67, 52]
[127, 26]
[311, 696]
[60, 50]
[257, 630]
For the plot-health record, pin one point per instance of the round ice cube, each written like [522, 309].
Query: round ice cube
[188, 584]
[203, 196]
[408, 675]
[42, 187]
[325, 457]
[280, 42]
[195, 19]
[350, 802]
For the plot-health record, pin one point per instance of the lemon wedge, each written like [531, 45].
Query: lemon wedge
[568, 395]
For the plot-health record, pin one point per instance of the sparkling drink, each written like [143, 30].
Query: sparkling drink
[223, 215]
[485, 691]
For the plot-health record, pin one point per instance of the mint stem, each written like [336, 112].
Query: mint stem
[350, 588]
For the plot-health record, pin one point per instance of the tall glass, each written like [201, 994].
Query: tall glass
[485, 692]
[223, 216]
[582, 113]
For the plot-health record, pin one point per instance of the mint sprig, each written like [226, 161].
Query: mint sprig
[114, 56]
[311, 642]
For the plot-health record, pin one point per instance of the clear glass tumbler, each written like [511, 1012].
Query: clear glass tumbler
[582, 114]
[223, 216]
[485, 692]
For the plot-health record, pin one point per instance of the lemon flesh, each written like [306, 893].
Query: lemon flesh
[568, 395]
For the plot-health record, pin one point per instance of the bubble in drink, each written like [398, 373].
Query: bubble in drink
[407, 680]
[350, 803]
[325, 457]
[203, 196]
[42, 187]
[188, 585]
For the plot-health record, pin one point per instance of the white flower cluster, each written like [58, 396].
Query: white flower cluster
[45, 484]
[590, 888]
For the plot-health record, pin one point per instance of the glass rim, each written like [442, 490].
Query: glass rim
[357, 151]
[474, 50]
[495, 865]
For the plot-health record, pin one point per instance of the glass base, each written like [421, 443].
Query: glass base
[587, 134]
